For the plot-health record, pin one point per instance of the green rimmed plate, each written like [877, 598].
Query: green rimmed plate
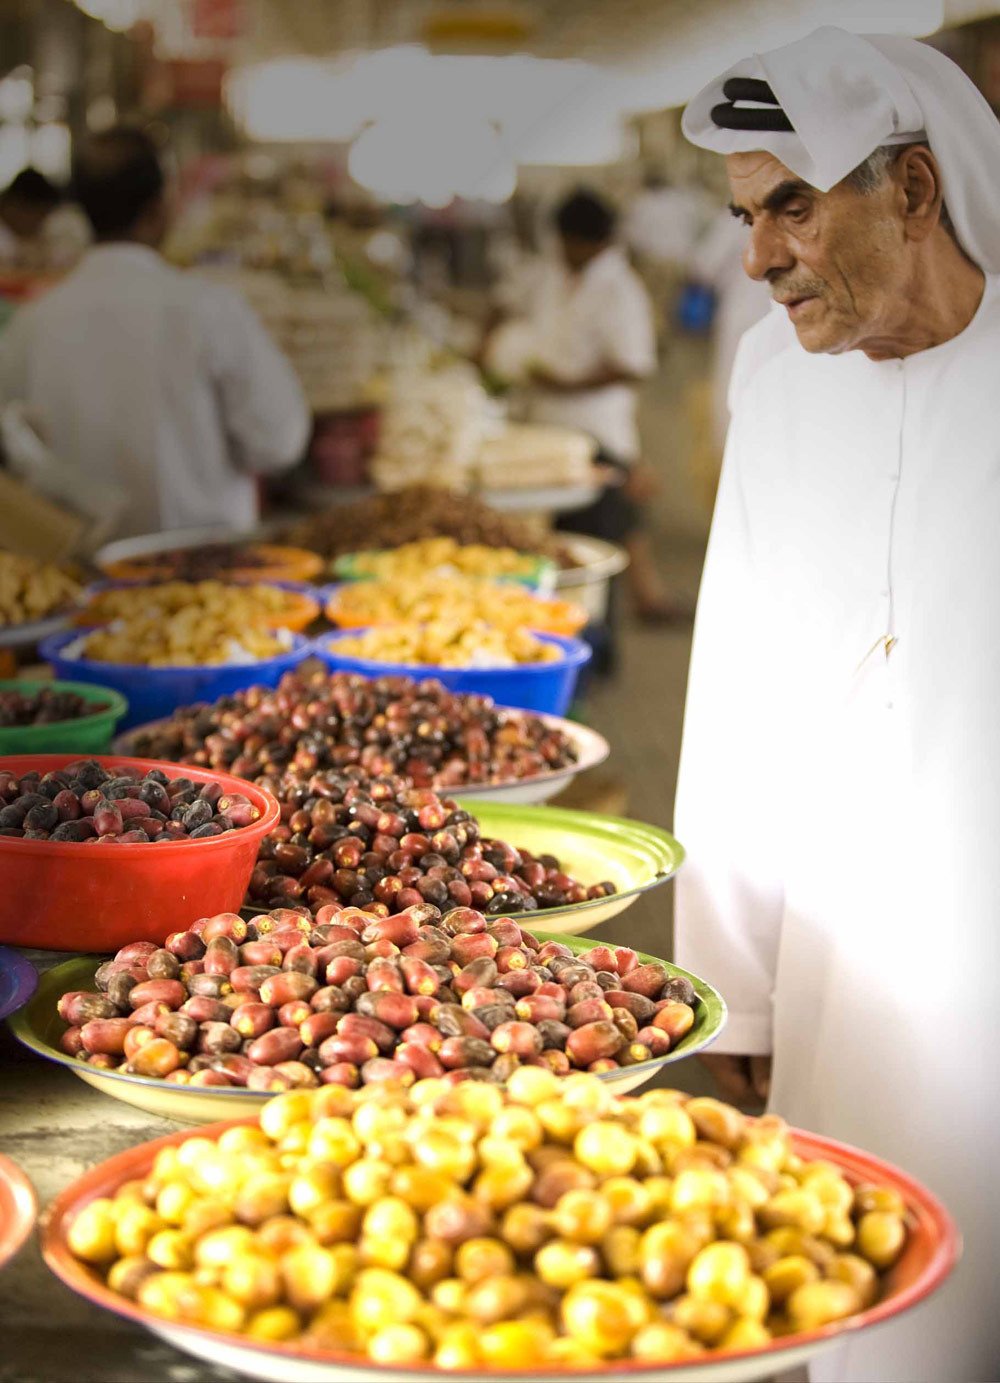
[38, 1026]
[593, 848]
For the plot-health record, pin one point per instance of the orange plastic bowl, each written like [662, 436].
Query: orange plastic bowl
[279, 564]
[550, 617]
[69, 896]
[932, 1251]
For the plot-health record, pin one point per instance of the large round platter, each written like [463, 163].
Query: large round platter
[593, 848]
[33, 631]
[18, 1209]
[591, 749]
[930, 1254]
[39, 1027]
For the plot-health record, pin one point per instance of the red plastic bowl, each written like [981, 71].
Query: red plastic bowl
[932, 1250]
[67, 896]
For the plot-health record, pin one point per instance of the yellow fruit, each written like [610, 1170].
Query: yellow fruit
[606, 1148]
[720, 1272]
[881, 1236]
[819, 1303]
[602, 1316]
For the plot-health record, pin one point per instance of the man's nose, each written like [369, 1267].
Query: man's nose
[766, 252]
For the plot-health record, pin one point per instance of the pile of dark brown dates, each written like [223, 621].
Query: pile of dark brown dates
[199, 563]
[316, 720]
[379, 843]
[84, 802]
[45, 707]
[417, 512]
[353, 998]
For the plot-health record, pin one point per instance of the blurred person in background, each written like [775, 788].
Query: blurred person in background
[717, 263]
[586, 333]
[25, 206]
[839, 788]
[661, 228]
[143, 377]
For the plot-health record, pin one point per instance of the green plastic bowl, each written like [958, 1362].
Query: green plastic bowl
[87, 735]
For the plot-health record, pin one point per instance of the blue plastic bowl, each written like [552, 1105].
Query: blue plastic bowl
[155, 692]
[544, 687]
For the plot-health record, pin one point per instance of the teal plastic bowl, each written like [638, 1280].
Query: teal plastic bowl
[90, 734]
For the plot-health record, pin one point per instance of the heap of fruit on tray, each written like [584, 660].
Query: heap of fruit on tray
[437, 600]
[30, 589]
[315, 720]
[356, 998]
[416, 513]
[185, 623]
[46, 706]
[442, 557]
[547, 1225]
[451, 643]
[345, 838]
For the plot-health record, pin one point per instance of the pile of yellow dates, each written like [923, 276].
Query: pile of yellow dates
[455, 600]
[187, 623]
[447, 643]
[550, 1223]
[443, 556]
[30, 590]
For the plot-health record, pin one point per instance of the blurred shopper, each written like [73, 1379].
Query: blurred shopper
[589, 332]
[147, 378]
[839, 794]
[717, 262]
[25, 206]
[661, 228]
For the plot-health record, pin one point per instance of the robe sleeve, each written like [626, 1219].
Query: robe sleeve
[729, 897]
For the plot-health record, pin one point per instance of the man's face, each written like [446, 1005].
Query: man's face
[837, 261]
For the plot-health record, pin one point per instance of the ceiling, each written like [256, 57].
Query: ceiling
[678, 44]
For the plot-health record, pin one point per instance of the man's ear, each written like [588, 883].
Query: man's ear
[919, 179]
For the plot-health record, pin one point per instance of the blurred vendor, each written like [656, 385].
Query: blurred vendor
[25, 206]
[587, 330]
[144, 377]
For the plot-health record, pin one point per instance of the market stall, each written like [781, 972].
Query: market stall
[313, 897]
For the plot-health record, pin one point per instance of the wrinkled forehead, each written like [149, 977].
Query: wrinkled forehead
[756, 175]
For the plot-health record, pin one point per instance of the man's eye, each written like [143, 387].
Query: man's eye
[797, 210]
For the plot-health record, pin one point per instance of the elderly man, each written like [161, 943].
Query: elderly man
[840, 779]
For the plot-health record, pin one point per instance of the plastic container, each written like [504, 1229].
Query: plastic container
[69, 896]
[540, 577]
[88, 735]
[155, 692]
[528, 686]
[133, 559]
[297, 616]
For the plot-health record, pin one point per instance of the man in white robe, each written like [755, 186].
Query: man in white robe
[839, 790]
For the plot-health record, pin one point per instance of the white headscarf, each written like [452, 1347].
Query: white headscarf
[846, 95]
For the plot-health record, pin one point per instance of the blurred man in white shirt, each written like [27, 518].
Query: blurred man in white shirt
[145, 377]
[25, 206]
[593, 344]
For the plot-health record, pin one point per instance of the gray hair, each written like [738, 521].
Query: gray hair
[871, 175]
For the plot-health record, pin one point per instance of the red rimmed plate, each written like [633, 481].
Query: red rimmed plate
[931, 1253]
[18, 1209]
